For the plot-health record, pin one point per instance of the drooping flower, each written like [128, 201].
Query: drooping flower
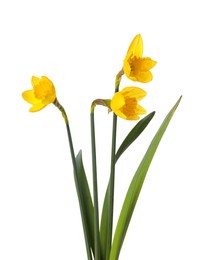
[42, 94]
[125, 103]
[136, 67]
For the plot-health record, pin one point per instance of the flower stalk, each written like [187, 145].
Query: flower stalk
[112, 174]
[79, 193]
[95, 187]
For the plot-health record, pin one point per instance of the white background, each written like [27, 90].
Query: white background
[80, 46]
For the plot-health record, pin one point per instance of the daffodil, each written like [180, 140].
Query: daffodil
[136, 67]
[125, 103]
[42, 94]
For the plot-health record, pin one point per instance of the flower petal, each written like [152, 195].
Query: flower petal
[127, 68]
[133, 117]
[120, 114]
[37, 107]
[141, 110]
[134, 92]
[29, 96]
[136, 47]
[35, 81]
[146, 63]
[143, 76]
[117, 101]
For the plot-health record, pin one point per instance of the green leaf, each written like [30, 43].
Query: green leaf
[135, 188]
[133, 134]
[88, 208]
[104, 225]
[130, 138]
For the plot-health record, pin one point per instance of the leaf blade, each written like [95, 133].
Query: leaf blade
[133, 134]
[88, 208]
[129, 139]
[136, 185]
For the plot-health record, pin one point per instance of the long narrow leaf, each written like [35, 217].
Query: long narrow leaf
[133, 134]
[88, 207]
[135, 188]
[129, 139]
[104, 225]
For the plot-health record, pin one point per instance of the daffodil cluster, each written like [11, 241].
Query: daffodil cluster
[100, 241]
[137, 68]
[124, 103]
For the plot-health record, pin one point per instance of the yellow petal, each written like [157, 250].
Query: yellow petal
[134, 92]
[37, 107]
[28, 96]
[47, 84]
[35, 81]
[143, 76]
[140, 110]
[133, 117]
[146, 63]
[127, 68]
[120, 114]
[136, 47]
[117, 101]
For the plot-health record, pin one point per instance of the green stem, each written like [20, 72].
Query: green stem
[111, 188]
[79, 193]
[112, 174]
[95, 190]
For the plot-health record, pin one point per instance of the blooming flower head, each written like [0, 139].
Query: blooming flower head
[125, 103]
[42, 94]
[136, 67]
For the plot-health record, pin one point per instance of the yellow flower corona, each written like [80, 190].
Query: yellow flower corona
[136, 67]
[125, 103]
[42, 94]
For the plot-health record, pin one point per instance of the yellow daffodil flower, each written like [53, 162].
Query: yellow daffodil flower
[42, 94]
[136, 67]
[125, 103]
